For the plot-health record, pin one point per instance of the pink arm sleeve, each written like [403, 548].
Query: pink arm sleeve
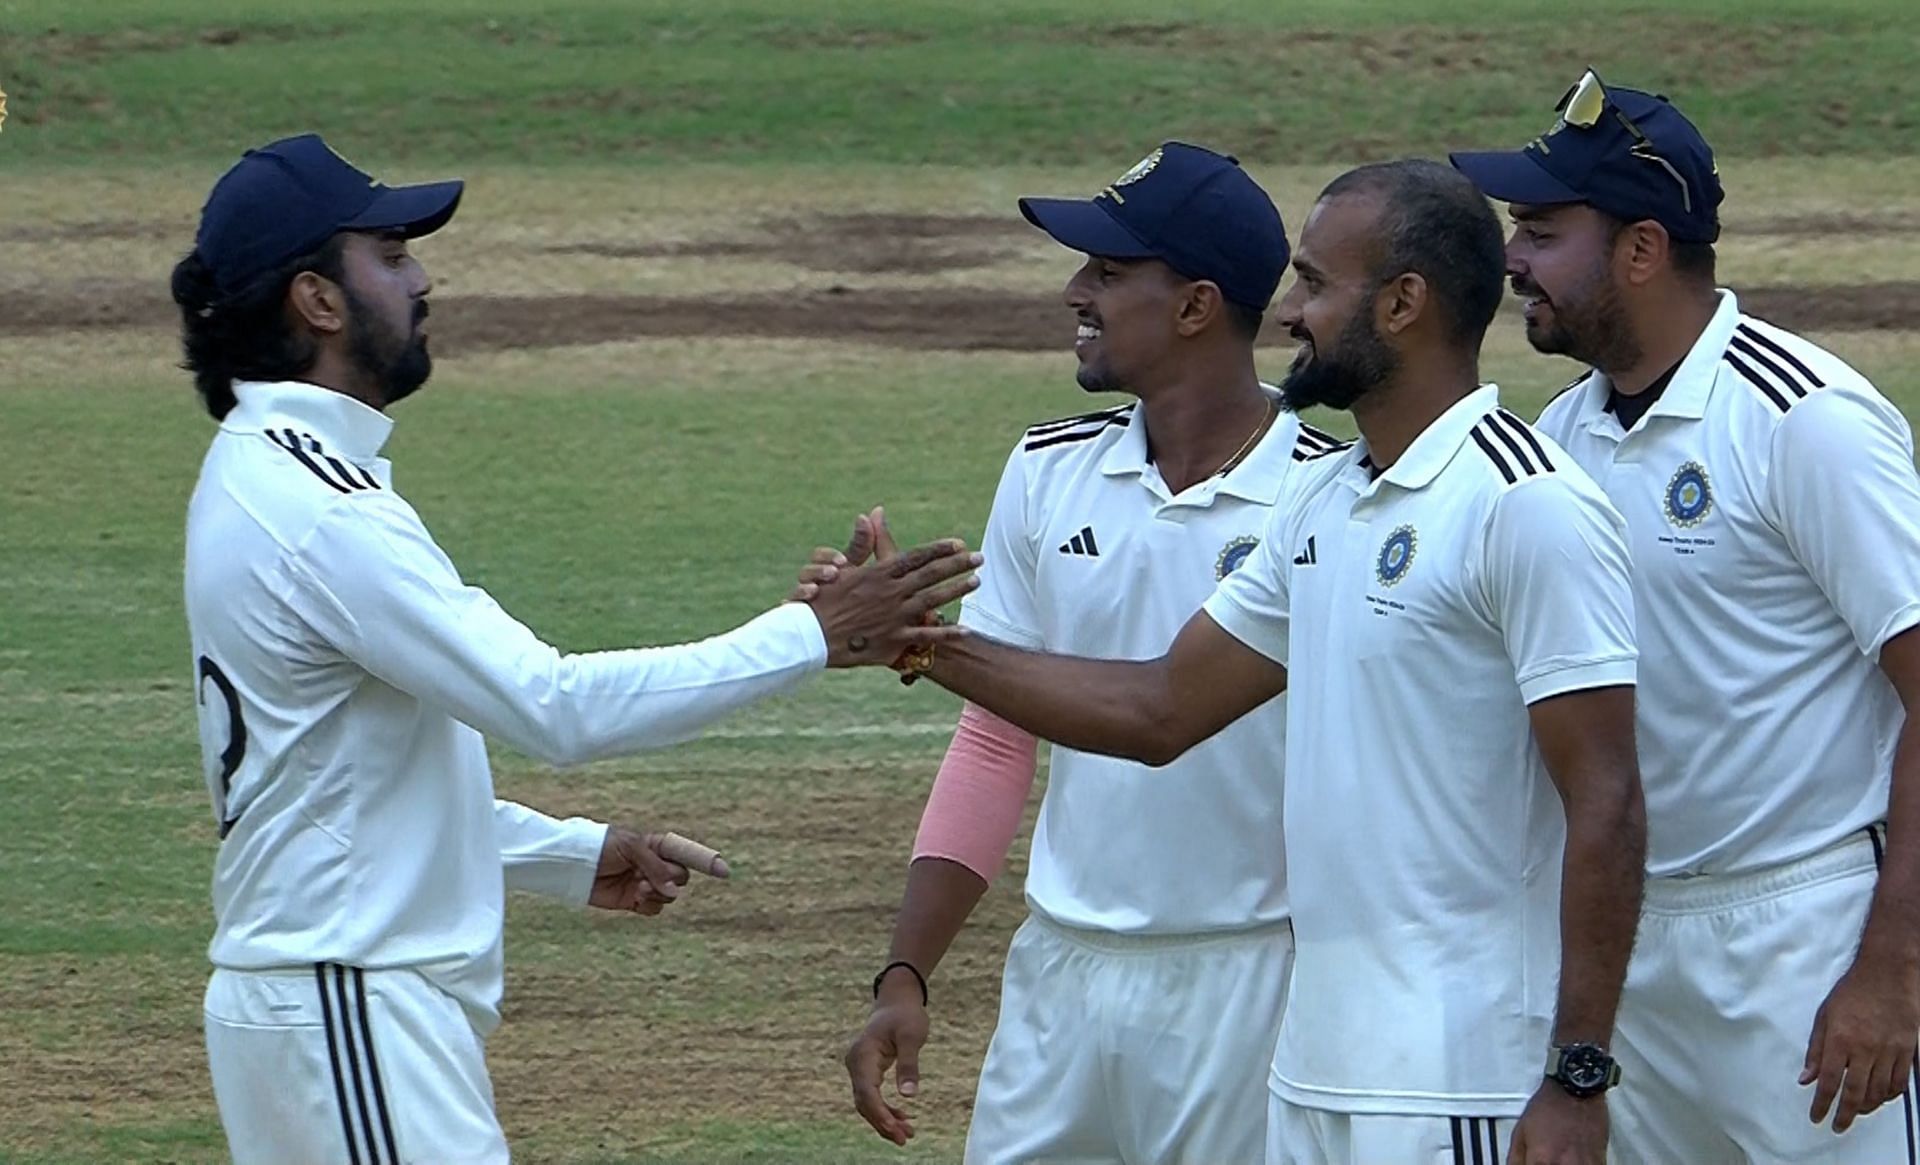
[979, 794]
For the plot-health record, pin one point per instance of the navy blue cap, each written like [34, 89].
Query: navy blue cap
[1622, 151]
[286, 198]
[1193, 209]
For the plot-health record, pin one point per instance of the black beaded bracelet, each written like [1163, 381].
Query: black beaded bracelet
[917, 977]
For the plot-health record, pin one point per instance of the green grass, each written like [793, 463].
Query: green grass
[658, 491]
[998, 82]
[604, 516]
[696, 514]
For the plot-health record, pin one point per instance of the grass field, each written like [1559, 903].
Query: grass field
[726, 273]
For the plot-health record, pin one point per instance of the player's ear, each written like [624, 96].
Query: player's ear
[1199, 307]
[1642, 249]
[1400, 301]
[317, 302]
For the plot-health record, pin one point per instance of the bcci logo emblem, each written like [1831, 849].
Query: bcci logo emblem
[1141, 169]
[1396, 555]
[1689, 497]
[1233, 555]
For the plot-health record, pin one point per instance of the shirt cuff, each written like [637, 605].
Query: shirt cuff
[976, 618]
[797, 619]
[560, 862]
[1576, 677]
[1259, 632]
[1902, 621]
[583, 839]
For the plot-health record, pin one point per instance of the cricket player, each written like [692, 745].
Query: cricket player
[347, 679]
[1463, 823]
[1774, 517]
[1138, 1013]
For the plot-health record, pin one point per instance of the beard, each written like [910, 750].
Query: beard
[398, 363]
[1363, 361]
[1589, 324]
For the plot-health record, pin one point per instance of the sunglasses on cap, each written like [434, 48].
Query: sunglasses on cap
[1587, 103]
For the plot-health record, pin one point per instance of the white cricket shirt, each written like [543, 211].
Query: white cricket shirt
[1774, 513]
[345, 676]
[1088, 553]
[1418, 614]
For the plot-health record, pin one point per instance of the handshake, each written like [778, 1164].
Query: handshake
[879, 605]
[876, 605]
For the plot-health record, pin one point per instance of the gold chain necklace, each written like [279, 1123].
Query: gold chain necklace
[1273, 410]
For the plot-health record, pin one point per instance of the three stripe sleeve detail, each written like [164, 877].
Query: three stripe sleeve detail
[1075, 429]
[1314, 443]
[1511, 446]
[1772, 371]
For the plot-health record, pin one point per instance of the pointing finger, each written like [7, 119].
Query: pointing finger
[693, 855]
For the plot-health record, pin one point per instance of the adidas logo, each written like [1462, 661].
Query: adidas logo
[1307, 557]
[1082, 544]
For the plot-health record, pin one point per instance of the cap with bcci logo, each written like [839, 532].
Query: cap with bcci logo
[1628, 153]
[1193, 209]
[286, 198]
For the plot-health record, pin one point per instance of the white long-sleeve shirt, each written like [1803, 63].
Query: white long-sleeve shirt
[346, 680]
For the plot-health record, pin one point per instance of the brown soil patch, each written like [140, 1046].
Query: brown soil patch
[1872, 307]
[1696, 48]
[90, 231]
[950, 320]
[85, 304]
[67, 48]
[97, 1034]
[1833, 225]
[954, 319]
[871, 244]
[622, 101]
[736, 1004]
[1149, 35]
[844, 38]
[759, 982]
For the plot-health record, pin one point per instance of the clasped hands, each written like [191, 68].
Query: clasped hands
[878, 604]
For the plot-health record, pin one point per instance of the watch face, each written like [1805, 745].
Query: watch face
[1585, 1067]
[1585, 1075]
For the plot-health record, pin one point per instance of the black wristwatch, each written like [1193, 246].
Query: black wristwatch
[1582, 1069]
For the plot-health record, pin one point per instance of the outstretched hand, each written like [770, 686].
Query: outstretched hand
[872, 586]
[871, 539]
[637, 873]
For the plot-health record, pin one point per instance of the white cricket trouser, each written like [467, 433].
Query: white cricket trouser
[332, 1065]
[1726, 976]
[1148, 1050]
[1314, 1136]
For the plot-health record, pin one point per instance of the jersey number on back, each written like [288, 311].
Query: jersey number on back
[236, 750]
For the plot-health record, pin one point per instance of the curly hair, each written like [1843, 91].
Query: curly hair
[244, 335]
